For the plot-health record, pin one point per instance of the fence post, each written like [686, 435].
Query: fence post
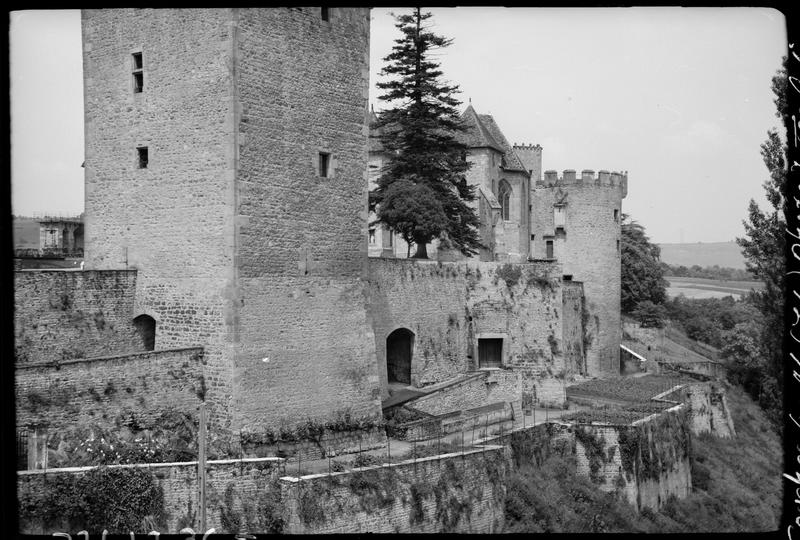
[201, 465]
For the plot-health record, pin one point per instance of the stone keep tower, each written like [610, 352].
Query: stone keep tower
[576, 220]
[226, 155]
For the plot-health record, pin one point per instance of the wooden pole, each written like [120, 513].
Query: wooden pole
[201, 465]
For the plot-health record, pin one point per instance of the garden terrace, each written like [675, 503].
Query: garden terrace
[623, 390]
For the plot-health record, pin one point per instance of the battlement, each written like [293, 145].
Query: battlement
[587, 177]
[527, 146]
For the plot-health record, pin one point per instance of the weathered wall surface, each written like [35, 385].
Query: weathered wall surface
[648, 460]
[588, 250]
[173, 220]
[105, 391]
[572, 310]
[304, 347]
[487, 387]
[234, 488]
[462, 493]
[60, 315]
[448, 306]
[709, 410]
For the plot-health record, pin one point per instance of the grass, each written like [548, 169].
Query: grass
[736, 488]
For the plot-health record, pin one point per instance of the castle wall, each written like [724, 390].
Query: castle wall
[304, 348]
[648, 460]
[60, 315]
[709, 410]
[588, 249]
[448, 306]
[173, 220]
[572, 295]
[109, 391]
[514, 236]
[462, 493]
[234, 487]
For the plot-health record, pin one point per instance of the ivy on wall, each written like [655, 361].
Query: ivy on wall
[119, 500]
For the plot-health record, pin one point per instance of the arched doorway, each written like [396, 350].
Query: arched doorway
[146, 328]
[399, 346]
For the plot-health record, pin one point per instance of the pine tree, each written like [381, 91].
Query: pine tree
[422, 193]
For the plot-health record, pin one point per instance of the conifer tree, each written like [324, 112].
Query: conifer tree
[422, 193]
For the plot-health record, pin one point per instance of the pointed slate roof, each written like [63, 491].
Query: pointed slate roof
[511, 161]
[477, 135]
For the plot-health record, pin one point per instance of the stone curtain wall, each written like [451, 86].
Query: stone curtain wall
[648, 460]
[235, 490]
[104, 391]
[709, 410]
[61, 315]
[304, 347]
[172, 221]
[462, 493]
[449, 305]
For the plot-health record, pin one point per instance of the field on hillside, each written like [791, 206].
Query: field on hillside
[723, 254]
[709, 288]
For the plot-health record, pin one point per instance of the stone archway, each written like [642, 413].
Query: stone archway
[399, 349]
[146, 328]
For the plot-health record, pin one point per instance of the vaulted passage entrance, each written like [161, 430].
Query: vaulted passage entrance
[398, 355]
[146, 328]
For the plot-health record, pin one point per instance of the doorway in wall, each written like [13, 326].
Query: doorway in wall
[490, 352]
[399, 346]
[146, 328]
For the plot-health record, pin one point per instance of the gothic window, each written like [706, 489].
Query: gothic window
[504, 195]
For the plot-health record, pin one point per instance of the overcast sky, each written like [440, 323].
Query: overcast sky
[678, 97]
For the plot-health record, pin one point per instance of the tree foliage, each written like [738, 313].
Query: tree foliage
[642, 274]
[764, 248]
[422, 193]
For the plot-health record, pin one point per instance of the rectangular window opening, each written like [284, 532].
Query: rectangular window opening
[324, 163]
[325, 13]
[490, 352]
[567, 277]
[141, 154]
[138, 73]
[549, 247]
[616, 215]
[372, 236]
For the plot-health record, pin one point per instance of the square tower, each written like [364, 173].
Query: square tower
[226, 161]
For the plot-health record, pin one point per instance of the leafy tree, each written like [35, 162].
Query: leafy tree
[642, 274]
[764, 248]
[422, 193]
[650, 315]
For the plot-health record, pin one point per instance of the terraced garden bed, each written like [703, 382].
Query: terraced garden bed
[628, 389]
[616, 415]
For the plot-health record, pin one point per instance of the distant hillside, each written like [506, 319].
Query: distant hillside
[26, 233]
[724, 254]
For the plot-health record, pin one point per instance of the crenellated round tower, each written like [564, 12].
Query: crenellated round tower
[575, 218]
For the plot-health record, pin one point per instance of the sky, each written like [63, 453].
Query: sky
[678, 97]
